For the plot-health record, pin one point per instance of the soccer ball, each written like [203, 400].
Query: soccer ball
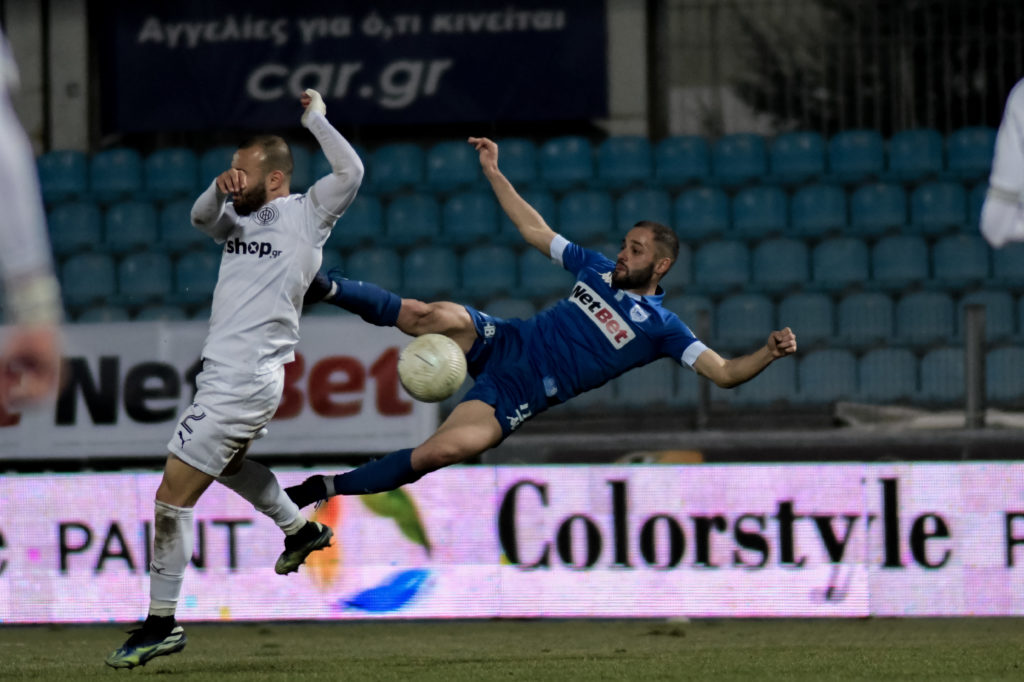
[431, 368]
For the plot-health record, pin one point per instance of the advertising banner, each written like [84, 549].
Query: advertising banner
[199, 65]
[126, 384]
[829, 540]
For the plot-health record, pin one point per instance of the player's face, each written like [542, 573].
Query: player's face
[249, 162]
[634, 266]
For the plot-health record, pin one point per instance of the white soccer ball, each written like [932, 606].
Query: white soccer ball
[432, 367]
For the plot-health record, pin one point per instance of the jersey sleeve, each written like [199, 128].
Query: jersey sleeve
[332, 194]
[680, 344]
[574, 257]
[1002, 216]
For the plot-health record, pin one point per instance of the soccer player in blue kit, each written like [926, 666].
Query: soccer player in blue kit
[611, 322]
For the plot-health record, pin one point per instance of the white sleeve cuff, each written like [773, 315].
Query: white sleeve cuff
[558, 245]
[693, 352]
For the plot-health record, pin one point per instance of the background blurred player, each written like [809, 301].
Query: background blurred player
[611, 322]
[272, 249]
[1002, 216]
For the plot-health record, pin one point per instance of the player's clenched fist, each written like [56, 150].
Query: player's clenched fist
[488, 153]
[231, 181]
[782, 342]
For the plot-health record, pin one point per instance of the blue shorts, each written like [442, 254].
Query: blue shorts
[505, 377]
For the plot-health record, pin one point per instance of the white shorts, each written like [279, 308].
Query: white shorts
[231, 408]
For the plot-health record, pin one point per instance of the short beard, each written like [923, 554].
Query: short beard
[250, 200]
[638, 279]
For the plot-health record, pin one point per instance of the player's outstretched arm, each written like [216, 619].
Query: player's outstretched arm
[333, 193]
[735, 371]
[1002, 215]
[530, 224]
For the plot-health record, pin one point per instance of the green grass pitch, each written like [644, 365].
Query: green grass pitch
[873, 649]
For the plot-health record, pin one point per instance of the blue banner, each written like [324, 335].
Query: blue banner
[196, 65]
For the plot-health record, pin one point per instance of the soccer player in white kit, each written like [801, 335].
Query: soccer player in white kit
[272, 249]
[1002, 216]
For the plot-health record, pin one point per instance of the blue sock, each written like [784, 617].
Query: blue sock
[367, 300]
[387, 473]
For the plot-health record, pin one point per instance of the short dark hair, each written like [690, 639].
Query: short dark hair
[276, 153]
[664, 236]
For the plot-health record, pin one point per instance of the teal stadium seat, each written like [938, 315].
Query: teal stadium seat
[739, 158]
[63, 175]
[642, 204]
[775, 385]
[412, 219]
[759, 212]
[177, 234]
[681, 160]
[331, 258]
[942, 376]
[865, 320]
[811, 314]
[937, 207]
[826, 376]
[511, 308]
[543, 202]
[999, 314]
[379, 265]
[838, 263]
[540, 278]
[743, 321]
[88, 279]
[887, 375]
[453, 165]
[161, 313]
[915, 155]
[1004, 375]
[395, 167]
[856, 156]
[102, 314]
[975, 202]
[1008, 267]
[924, 318]
[818, 210]
[115, 174]
[566, 162]
[680, 275]
[650, 386]
[701, 213]
[780, 265]
[960, 261]
[130, 226]
[899, 262]
[213, 162]
[430, 273]
[623, 161]
[170, 173]
[518, 158]
[721, 266]
[876, 208]
[689, 308]
[488, 272]
[302, 171]
[195, 277]
[687, 388]
[797, 156]
[144, 277]
[970, 151]
[469, 217]
[586, 216]
[361, 223]
[75, 227]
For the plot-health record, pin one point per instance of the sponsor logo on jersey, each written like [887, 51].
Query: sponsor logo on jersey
[601, 314]
[251, 248]
[266, 215]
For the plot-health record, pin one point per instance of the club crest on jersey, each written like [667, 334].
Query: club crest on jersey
[638, 314]
[266, 215]
[603, 315]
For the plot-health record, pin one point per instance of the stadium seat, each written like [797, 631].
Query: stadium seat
[170, 173]
[960, 261]
[642, 204]
[102, 314]
[566, 162]
[942, 376]
[721, 266]
[453, 165]
[177, 234]
[543, 202]
[776, 384]
[396, 166]
[865, 319]
[510, 308]
[743, 321]
[488, 272]
[115, 174]
[825, 376]
[680, 275]
[915, 155]
[689, 308]
[937, 207]
[213, 162]
[887, 375]
[701, 213]
[430, 273]
[899, 262]
[518, 161]
[143, 277]
[680, 160]
[63, 175]
[970, 152]
[878, 207]
[739, 158]
[1008, 267]
[379, 265]
[811, 315]
[202, 313]
[797, 156]
[161, 313]
[540, 278]
[839, 262]
[623, 161]
[687, 387]
[818, 210]
[855, 156]
[130, 226]
[469, 217]
[362, 222]
[75, 227]
[999, 314]
[759, 212]
[975, 202]
[780, 265]
[924, 318]
[411, 219]
[649, 386]
[331, 258]
[1004, 375]
[302, 172]
[195, 276]
[87, 279]
[586, 216]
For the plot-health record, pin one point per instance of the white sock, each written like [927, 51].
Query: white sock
[329, 484]
[173, 540]
[332, 292]
[258, 485]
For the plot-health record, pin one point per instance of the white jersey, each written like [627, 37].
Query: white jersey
[1002, 216]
